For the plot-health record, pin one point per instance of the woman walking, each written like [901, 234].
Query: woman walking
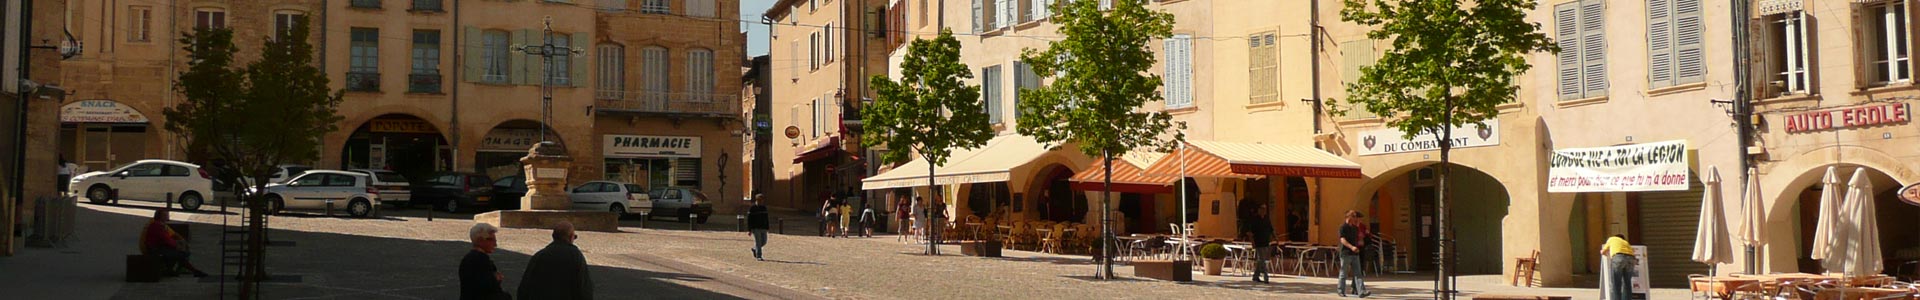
[831, 216]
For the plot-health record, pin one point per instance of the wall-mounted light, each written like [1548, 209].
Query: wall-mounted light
[1886, 135]
[1629, 138]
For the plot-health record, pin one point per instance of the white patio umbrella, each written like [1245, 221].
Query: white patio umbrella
[1754, 212]
[1856, 246]
[1829, 201]
[1711, 243]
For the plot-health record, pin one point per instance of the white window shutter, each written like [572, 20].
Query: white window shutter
[1003, 11]
[1567, 34]
[1660, 43]
[1593, 52]
[1689, 61]
[979, 14]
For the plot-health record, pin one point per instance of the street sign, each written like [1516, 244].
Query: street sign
[793, 132]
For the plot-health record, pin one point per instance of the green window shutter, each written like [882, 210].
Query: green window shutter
[1659, 43]
[580, 65]
[1566, 28]
[1593, 44]
[1689, 63]
[471, 67]
[516, 60]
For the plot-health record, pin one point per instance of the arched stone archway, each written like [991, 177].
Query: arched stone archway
[1053, 197]
[1400, 204]
[414, 147]
[1794, 212]
[499, 151]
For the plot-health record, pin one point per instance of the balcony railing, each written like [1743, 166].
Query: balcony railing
[715, 104]
[423, 83]
[363, 81]
[364, 3]
[426, 5]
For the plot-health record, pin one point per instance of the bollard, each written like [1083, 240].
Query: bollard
[783, 226]
[691, 220]
[329, 207]
[740, 223]
[169, 200]
[644, 217]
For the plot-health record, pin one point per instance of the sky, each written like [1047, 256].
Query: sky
[756, 32]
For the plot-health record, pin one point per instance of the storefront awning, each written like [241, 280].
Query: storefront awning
[990, 163]
[1247, 160]
[818, 150]
[1129, 175]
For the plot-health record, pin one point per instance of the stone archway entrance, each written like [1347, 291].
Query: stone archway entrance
[500, 150]
[1478, 203]
[401, 143]
[1900, 244]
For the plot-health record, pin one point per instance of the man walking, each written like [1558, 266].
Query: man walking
[479, 278]
[558, 271]
[1350, 245]
[1619, 254]
[1262, 231]
[757, 226]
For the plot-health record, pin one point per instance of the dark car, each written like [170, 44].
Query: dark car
[507, 192]
[455, 191]
[679, 202]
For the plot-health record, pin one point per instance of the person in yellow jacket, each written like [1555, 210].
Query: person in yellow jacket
[846, 215]
[1620, 257]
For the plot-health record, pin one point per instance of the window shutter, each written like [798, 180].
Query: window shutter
[793, 63]
[1760, 70]
[579, 76]
[1593, 44]
[517, 60]
[472, 68]
[1567, 33]
[979, 13]
[1006, 9]
[1866, 71]
[1167, 49]
[1689, 54]
[1660, 43]
[1807, 36]
[1022, 80]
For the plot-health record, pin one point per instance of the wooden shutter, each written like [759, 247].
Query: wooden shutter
[1689, 58]
[472, 68]
[1593, 48]
[1864, 44]
[1566, 20]
[517, 60]
[979, 13]
[1809, 51]
[793, 62]
[580, 62]
[1759, 67]
[1660, 43]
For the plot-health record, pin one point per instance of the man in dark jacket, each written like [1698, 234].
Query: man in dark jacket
[757, 226]
[559, 271]
[1262, 231]
[479, 278]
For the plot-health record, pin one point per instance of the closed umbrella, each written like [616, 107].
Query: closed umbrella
[1711, 245]
[1754, 216]
[1824, 229]
[1856, 246]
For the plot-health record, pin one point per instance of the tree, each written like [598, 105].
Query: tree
[930, 110]
[1100, 80]
[1451, 64]
[249, 120]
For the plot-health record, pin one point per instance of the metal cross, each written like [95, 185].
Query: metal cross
[546, 50]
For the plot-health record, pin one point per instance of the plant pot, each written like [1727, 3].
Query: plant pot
[1213, 266]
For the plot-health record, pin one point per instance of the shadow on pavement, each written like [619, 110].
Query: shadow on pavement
[1051, 259]
[151, 206]
[352, 266]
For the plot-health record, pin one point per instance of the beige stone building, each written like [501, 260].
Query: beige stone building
[823, 52]
[29, 113]
[647, 97]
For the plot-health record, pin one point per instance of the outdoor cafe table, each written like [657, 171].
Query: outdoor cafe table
[1857, 293]
[1725, 286]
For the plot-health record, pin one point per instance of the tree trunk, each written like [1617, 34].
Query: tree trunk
[1106, 224]
[933, 192]
[1446, 282]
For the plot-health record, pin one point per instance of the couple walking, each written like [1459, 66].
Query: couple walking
[557, 272]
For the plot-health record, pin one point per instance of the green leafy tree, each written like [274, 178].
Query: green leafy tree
[248, 120]
[930, 110]
[1452, 63]
[1100, 80]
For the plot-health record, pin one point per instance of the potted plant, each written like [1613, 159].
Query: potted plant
[1215, 255]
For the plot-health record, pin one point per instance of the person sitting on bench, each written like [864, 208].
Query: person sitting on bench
[161, 242]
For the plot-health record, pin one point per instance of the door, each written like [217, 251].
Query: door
[175, 180]
[1424, 249]
[301, 189]
[96, 147]
[141, 182]
[587, 196]
[339, 188]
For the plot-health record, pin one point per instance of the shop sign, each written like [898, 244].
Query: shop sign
[510, 139]
[1392, 140]
[1851, 117]
[99, 111]
[401, 126]
[1660, 166]
[651, 146]
[1911, 194]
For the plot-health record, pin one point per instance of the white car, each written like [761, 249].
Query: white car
[392, 186]
[351, 191]
[620, 198]
[147, 180]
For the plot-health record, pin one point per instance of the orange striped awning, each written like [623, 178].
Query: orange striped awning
[1247, 160]
[1129, 175]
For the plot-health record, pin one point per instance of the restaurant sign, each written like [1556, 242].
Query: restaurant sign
[1851, 117]
[1392, 140]
[1660, 166]
[650, 146]
[99, 111]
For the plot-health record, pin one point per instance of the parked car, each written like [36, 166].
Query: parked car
[507, 192]
[147, 180]
[393, 187]
[455, 191]
[281, 174]
[680, 202]
[620, 198]
[352, 191]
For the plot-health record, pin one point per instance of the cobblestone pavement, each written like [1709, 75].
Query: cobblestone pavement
[403, 256]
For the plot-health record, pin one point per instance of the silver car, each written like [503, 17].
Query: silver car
[352, 191]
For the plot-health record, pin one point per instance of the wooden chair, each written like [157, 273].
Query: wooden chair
[1052, 241]
[1523, 269]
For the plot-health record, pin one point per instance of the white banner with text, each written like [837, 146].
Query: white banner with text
[1660, 166]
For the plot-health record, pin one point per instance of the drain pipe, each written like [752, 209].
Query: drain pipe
[1313, 28]
[459, 56]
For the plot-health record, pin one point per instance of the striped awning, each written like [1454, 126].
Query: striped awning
[1129, 175]
[1247, 160]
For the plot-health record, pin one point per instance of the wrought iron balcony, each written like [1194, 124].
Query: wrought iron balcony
[364, 3]
[423, 83]
[426, 5]
[690, 104]
[363, 81]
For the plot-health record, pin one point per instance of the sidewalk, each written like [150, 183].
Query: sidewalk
[92, 264]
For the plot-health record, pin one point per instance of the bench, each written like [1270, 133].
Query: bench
[1178, 271]
[143, 268]
[1518, 297]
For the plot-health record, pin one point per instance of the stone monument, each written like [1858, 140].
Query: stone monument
[546, 202]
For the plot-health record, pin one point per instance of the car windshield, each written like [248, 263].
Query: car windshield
[388, 176]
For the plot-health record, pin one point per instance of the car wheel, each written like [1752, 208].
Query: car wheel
[619, 211]
[275, 205]
[359, 208]
[98, 194]
[191, 201]
[452, 206]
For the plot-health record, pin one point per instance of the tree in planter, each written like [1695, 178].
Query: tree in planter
[1451, 64]
[930, 110]
[249, 120]
[1100, 80]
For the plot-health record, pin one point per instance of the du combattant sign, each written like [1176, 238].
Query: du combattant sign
[1390, 140]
